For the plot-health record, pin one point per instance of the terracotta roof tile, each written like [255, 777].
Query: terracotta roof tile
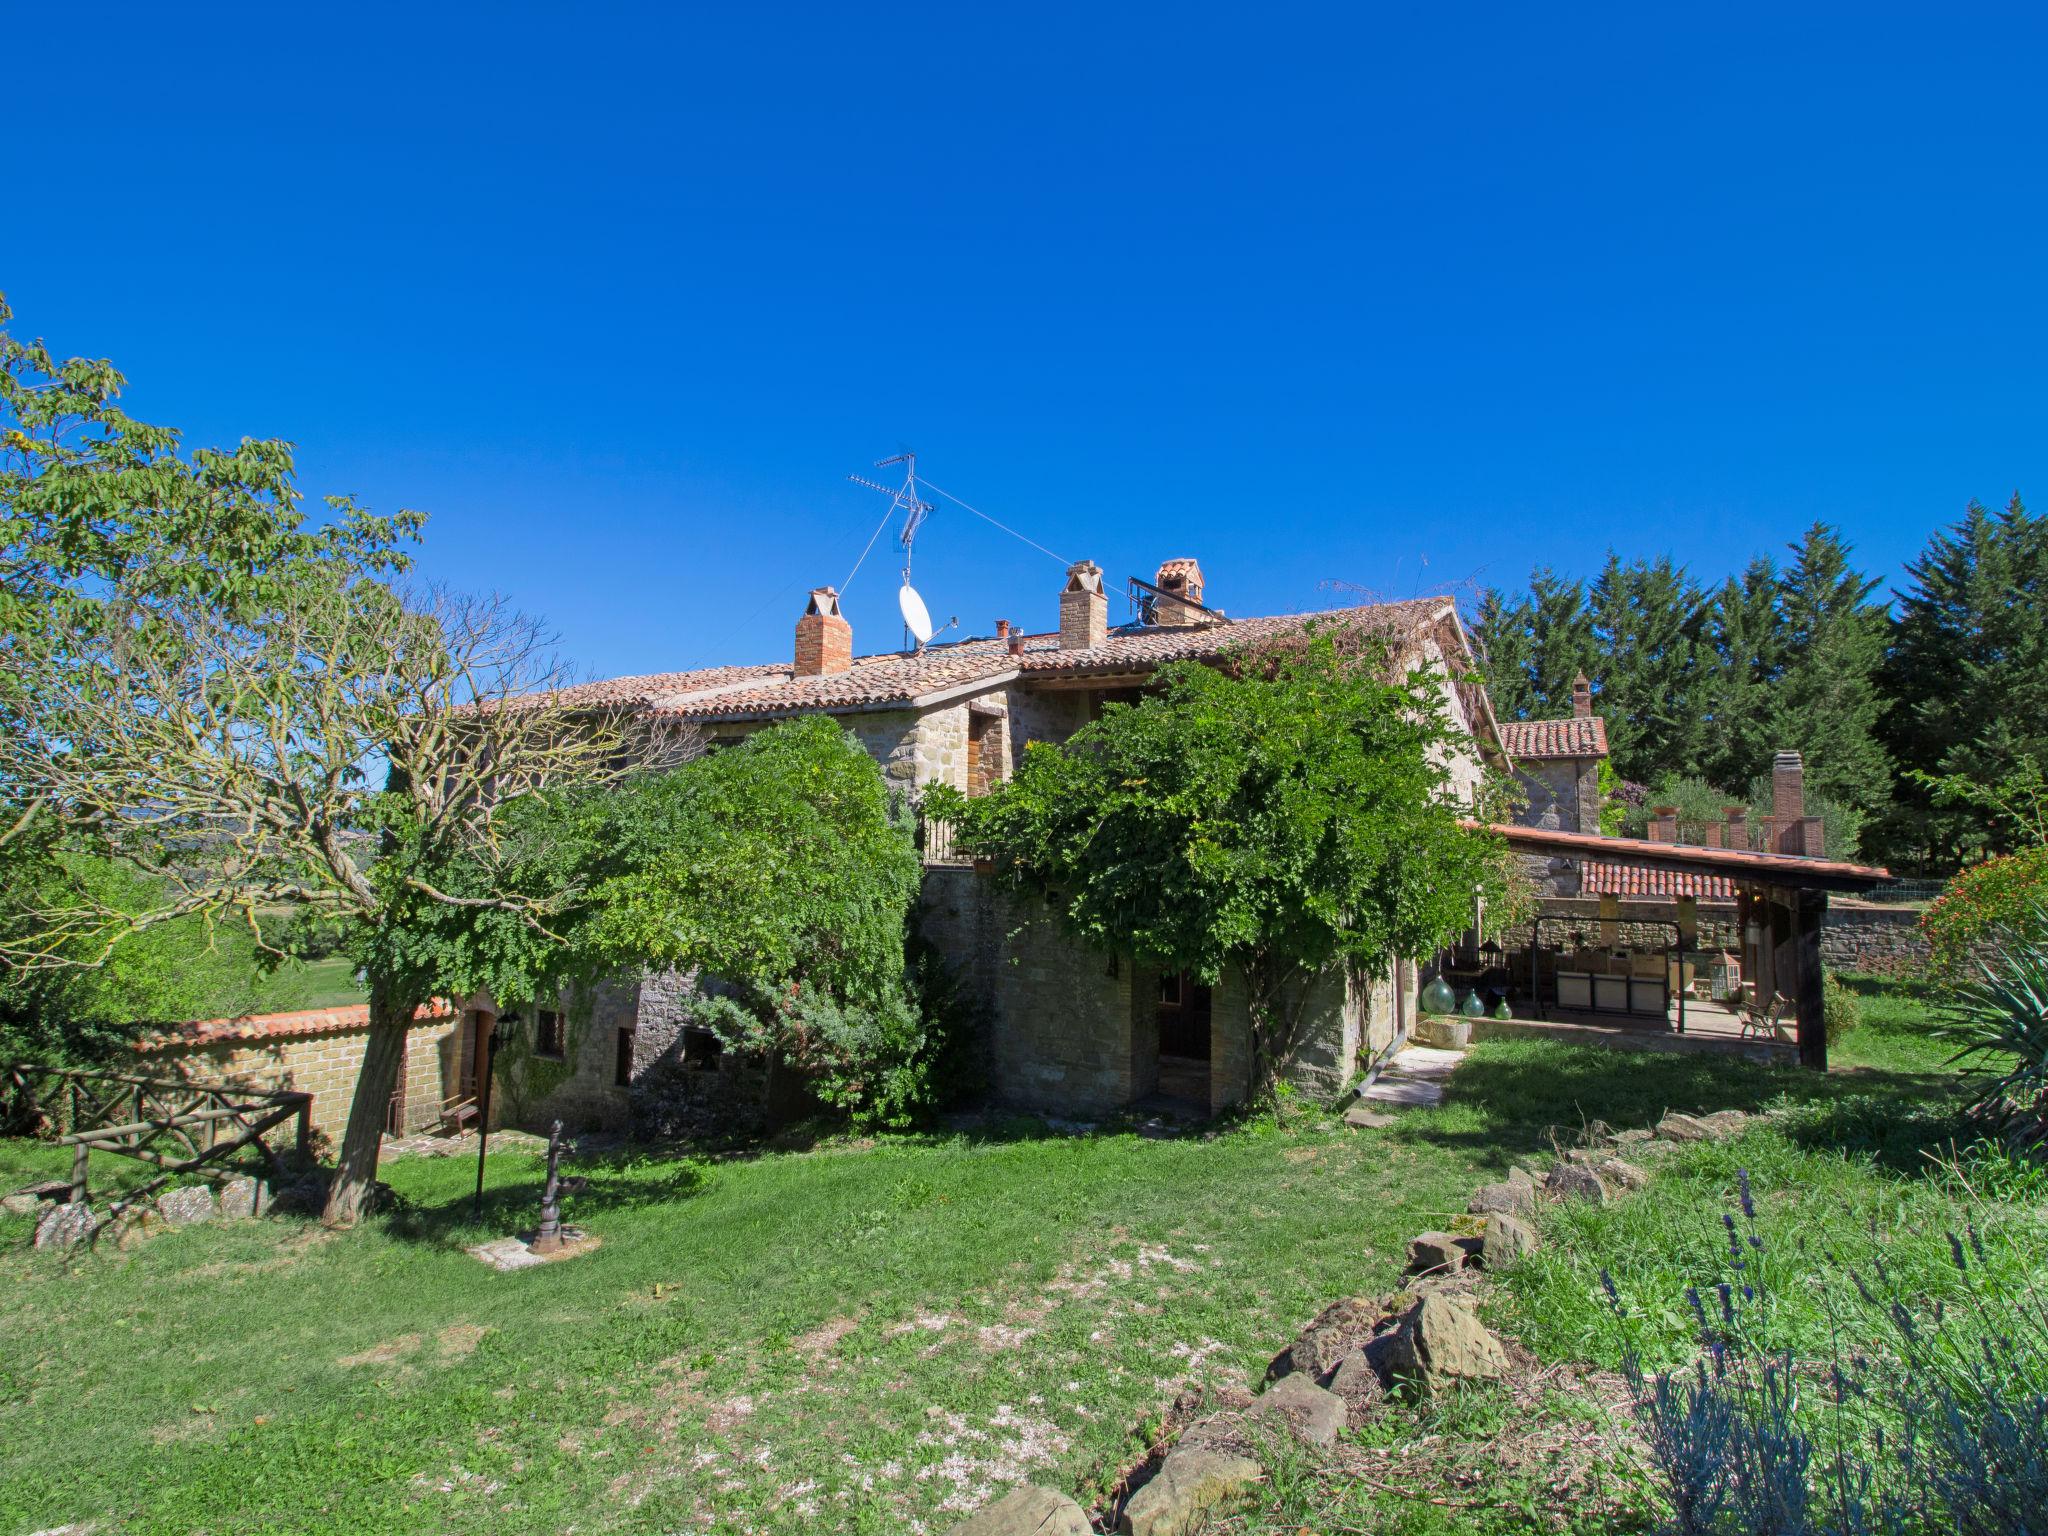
[902, 677]
[1738, 864]
[1637, 883]
[281, 1026]
[1575, 736]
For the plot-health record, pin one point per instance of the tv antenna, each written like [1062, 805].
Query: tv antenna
[917, 620]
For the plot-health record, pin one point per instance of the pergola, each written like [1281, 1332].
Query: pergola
[1781, 902]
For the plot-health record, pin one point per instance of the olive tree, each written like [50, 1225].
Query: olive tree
[1279, 815]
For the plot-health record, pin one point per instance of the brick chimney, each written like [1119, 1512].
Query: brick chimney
[1792, 830]
[1663, 823]
[1177, 579]
[824, 640]
[1582, 697]
[1738, 825]
[1084, 607]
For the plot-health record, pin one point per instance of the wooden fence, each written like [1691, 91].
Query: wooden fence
[171, 1125]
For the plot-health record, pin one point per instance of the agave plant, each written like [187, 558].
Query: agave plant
[2001, 1015]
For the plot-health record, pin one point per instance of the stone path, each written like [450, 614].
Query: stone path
[1415, 1077]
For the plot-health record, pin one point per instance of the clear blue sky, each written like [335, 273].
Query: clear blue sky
[1393, 296]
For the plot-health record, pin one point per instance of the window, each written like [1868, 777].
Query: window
[701, 1050]
[622, 1064]
[550, 1039]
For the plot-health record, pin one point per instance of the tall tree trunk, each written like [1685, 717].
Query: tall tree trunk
[355, 1173]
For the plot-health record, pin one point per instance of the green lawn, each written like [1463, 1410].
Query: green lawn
[855, 1336]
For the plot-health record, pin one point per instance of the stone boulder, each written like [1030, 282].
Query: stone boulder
[1616, 1174]
[1188, 1484]
[1027, 1511]
[1361, 1117]
[1312, 1415]
[1726, 1122]
[131, 1228]
[21, 1203]
[1573, 1181]
[1440, 1346]
[1506, 1239]
[187, 1207]
[66, 1226]
[1676, 1127]
[243, 1197]
[1517, 1198]
[1362, 1377]
[1337, 1329]
[1630, 1138]
[1435, 1253]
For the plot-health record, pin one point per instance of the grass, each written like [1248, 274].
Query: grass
[867, 1336]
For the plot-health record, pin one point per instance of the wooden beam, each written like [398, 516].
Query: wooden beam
[1809, 979]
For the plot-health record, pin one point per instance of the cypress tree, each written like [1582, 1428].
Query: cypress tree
[1834, 640]
[1741, 693]
[1506, 653]
[1647, 618]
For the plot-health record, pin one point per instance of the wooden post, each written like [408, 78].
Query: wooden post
[305, 1136]
[80, 1155]
[1610, 922]
[1810, 912]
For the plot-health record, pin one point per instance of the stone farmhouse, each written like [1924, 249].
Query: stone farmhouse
[1071, 1032]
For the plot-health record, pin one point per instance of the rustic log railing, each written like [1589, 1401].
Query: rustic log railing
[173, 1126]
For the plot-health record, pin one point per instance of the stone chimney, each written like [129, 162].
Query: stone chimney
[1663, 823]
[1084, 607]
[1738, 825]
[1178, 579]
[1582, 697]
[824, 640]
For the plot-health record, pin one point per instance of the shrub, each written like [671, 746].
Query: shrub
[2000, 895]
[2001, 1016]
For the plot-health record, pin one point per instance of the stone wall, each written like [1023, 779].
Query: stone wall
[1886, 940]
[325, 1064]
[1641, 926]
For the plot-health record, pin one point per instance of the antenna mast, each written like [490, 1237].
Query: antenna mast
[915, 510]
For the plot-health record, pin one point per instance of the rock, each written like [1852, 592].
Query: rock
[1027, 1511]
[1315, 1416]
[1337, 1329]
[1631, 1138]
[132, 1228]
[66, 1226]
[1506, 1239]
[20, 1204]
[1358, 1382]
[1726, 1122]
[505, 1253]
[1573, 1182]
[1188, 1484]
[186, 1207]
[243, 1197]
[1444, 1033]
[1619, 1175]
[1674, 1127]
[1440, 1345]
[1360, 1118]
[1516, 1199]
[1522, 1177]
[1435, 1253]
[1587, 1157]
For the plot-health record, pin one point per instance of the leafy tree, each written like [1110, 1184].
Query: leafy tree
[1647, 618]
[1967, 677]
[197, 684]
[1507, 654]
[780, 867]
[1834, 645]
[1276, 818]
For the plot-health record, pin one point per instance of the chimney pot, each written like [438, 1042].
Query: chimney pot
[824, 640]
[1738, 825]
[1002, 629]
[1178, 579]
[1084, 608]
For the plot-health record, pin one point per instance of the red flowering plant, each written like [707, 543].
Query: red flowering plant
[2001, 897]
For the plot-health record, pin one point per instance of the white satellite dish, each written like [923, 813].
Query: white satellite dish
[914, 613]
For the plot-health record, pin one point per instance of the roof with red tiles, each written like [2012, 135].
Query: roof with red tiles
[1575, 736]
[1736, 864]
[915, 678]
[281, 1026]
[1634, 882]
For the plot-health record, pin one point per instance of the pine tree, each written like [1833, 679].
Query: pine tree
[1743, 702]
[1562, 641]
[1834, 640]
[1501, 636]
[1967, 677]
[1647, 619]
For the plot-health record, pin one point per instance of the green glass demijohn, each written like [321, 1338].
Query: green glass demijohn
[1500, 1010]
[1474, 1006]
[1437, 997]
